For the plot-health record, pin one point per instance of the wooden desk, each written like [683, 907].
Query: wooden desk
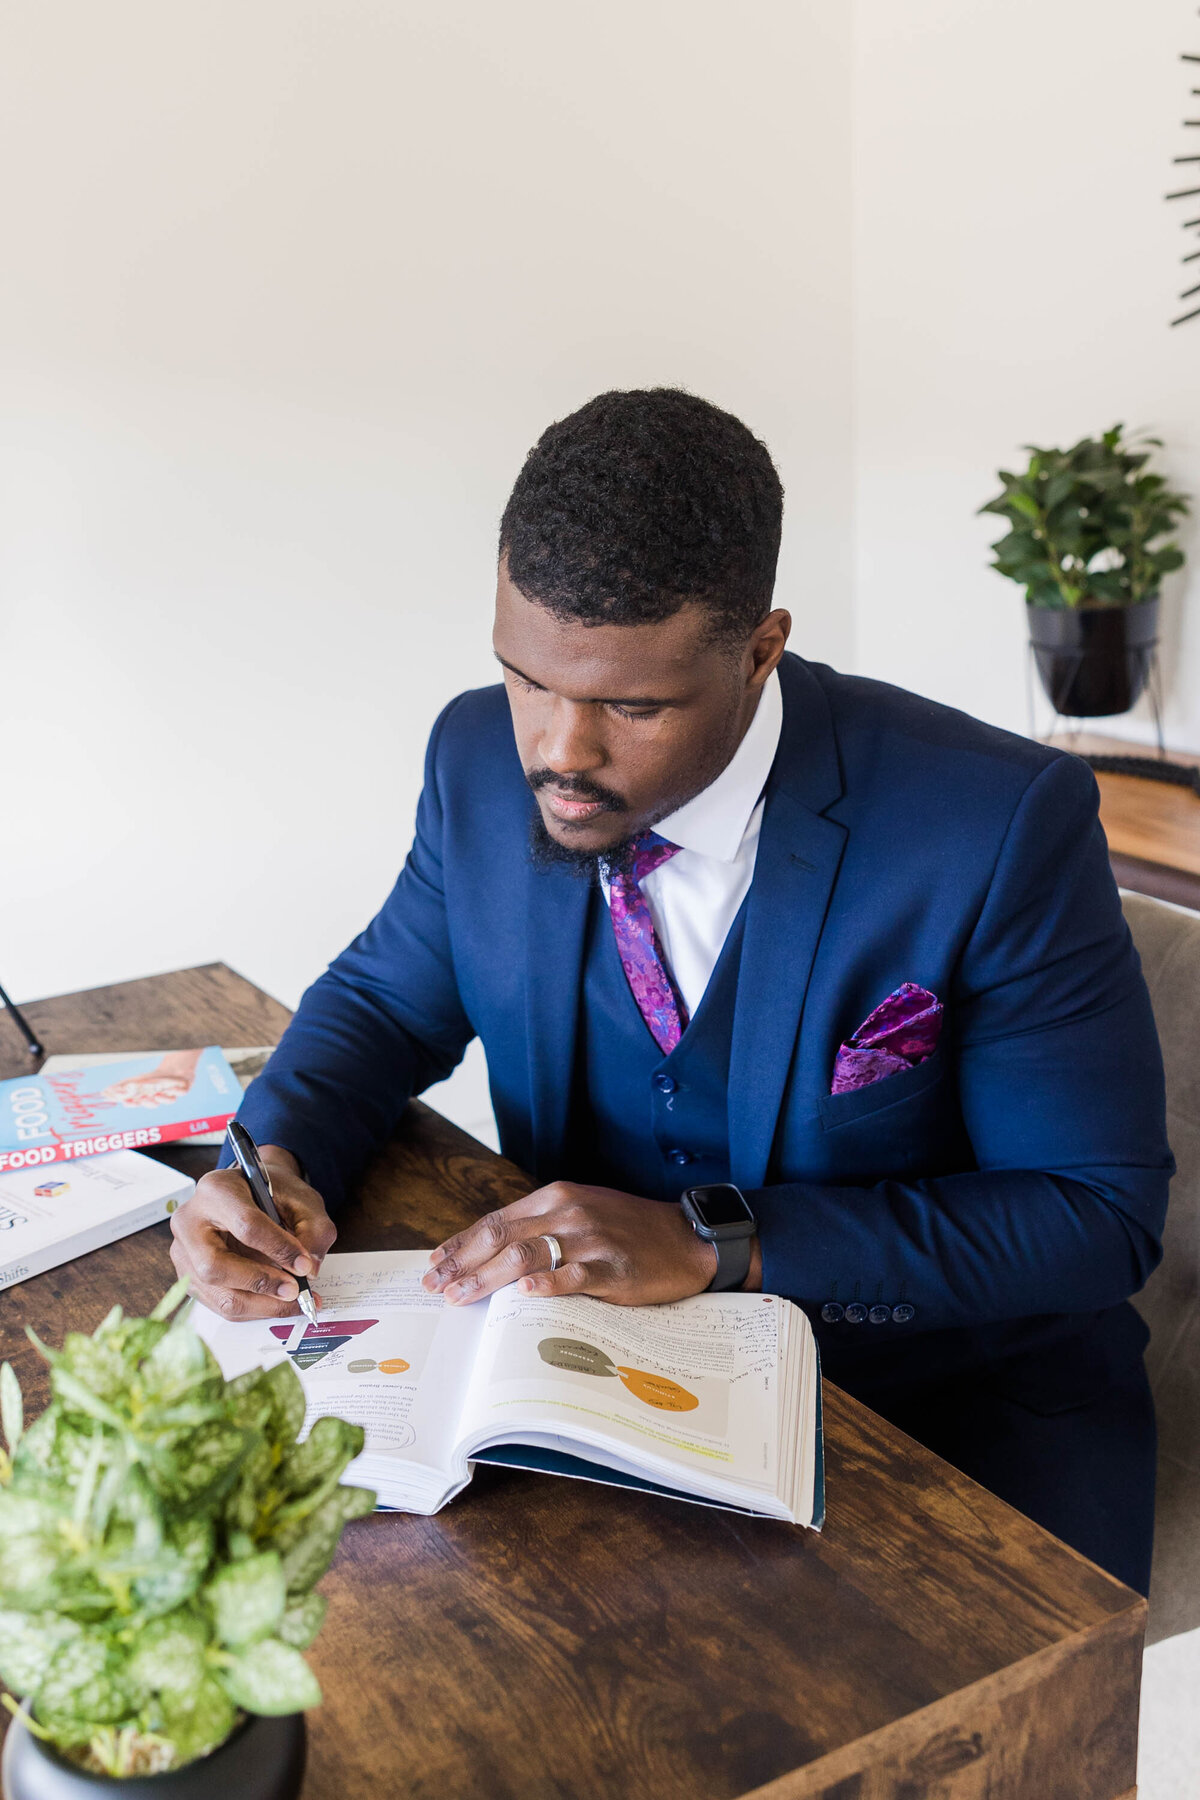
[1153, 828]
[545, 1639]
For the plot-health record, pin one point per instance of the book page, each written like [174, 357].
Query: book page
[384, 1354]
[691, 1385]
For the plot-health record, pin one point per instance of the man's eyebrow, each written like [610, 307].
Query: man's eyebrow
[594, 700]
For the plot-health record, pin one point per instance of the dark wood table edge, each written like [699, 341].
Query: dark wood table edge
[898, 1750]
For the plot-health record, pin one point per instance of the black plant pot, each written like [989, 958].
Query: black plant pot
[1094, 660]
[262, 1760]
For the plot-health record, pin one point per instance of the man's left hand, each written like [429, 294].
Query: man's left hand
[620, 1248]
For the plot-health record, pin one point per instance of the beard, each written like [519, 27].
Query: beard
[549, 856]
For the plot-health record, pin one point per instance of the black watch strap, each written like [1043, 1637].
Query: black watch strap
[733, 1263]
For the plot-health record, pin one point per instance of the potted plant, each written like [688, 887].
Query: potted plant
[1085, 542]
[161, 1530]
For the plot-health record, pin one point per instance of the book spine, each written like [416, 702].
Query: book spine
[143, 1138]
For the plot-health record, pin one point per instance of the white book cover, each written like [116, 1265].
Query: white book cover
[51, 1215]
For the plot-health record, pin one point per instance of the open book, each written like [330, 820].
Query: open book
[714, 1399]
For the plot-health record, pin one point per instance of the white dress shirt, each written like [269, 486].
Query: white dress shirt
[695, 896]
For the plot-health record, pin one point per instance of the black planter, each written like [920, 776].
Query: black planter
[1093, 660]
[262, 1760]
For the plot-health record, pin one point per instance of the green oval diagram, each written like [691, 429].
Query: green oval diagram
[361, 1365]
[571, 1353]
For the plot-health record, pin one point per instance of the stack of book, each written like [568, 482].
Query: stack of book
[74, 1173]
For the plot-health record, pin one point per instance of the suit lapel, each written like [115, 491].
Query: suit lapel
[556, 923]
[799, 853]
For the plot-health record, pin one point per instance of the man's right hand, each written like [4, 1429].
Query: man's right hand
[236, 1258]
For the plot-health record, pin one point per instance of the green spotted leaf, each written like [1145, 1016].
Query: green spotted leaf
[308, 1544]
[180, 1368]
[12, 1411]
[281, 1385]
[253, 1485]
[271, 1677]
[168, 1656]
[175, 1295]
[247, 1599]
[302, 1620]
[204, 1470]
[84, 1681]
[197, 1722]
[28, 1642]
[78, 1396]
[178, 1567]
[325, 1452]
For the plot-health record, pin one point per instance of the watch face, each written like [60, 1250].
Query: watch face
[721, 1205]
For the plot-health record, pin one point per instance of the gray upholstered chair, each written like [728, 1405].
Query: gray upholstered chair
[1168, 941]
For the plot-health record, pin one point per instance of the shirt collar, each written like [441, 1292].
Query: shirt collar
[715, 822]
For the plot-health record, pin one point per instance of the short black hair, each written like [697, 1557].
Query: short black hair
[642, 501]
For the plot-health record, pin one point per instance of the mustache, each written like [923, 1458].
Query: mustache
[575, 787]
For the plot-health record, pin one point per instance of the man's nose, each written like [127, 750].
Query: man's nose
[568, 744]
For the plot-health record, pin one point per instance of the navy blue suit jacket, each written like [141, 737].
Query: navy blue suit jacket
[1011, 1189]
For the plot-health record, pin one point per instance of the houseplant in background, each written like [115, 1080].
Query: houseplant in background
[161, 1530]
[1085, 541]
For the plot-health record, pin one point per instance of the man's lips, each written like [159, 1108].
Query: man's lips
[573, 812]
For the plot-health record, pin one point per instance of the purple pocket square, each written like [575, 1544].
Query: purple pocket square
[902, 1032]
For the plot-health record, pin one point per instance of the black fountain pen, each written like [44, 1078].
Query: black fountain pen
[259, 1182]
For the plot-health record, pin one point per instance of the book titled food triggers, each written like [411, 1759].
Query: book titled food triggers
[65, 1114]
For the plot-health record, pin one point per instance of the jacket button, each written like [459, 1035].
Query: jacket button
[903, 1313]
[856, 1312]
[679, 1156]
[879, 1315]
[666, 1084]
[831, 1312]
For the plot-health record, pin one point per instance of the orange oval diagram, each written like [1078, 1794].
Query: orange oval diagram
[395, 1365]
[656, 1390]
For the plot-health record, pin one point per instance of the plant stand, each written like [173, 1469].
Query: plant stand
[1152, 674]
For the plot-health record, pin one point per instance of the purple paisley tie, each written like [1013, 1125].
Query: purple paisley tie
[658, 999]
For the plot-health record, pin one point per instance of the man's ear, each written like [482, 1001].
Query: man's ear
[767, 643]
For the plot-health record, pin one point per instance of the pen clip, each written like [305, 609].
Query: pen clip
[252, 1168]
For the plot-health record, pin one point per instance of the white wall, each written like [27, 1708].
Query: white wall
[290, 287]
[1015, 269]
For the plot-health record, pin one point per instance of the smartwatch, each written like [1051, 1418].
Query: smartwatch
[721, 1215]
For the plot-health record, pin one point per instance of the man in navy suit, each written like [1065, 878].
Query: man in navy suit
[721, 916]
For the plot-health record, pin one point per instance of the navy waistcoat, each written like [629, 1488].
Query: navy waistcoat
[640, 1121]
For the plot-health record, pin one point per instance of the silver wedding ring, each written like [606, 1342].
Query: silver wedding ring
[555, 1249]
